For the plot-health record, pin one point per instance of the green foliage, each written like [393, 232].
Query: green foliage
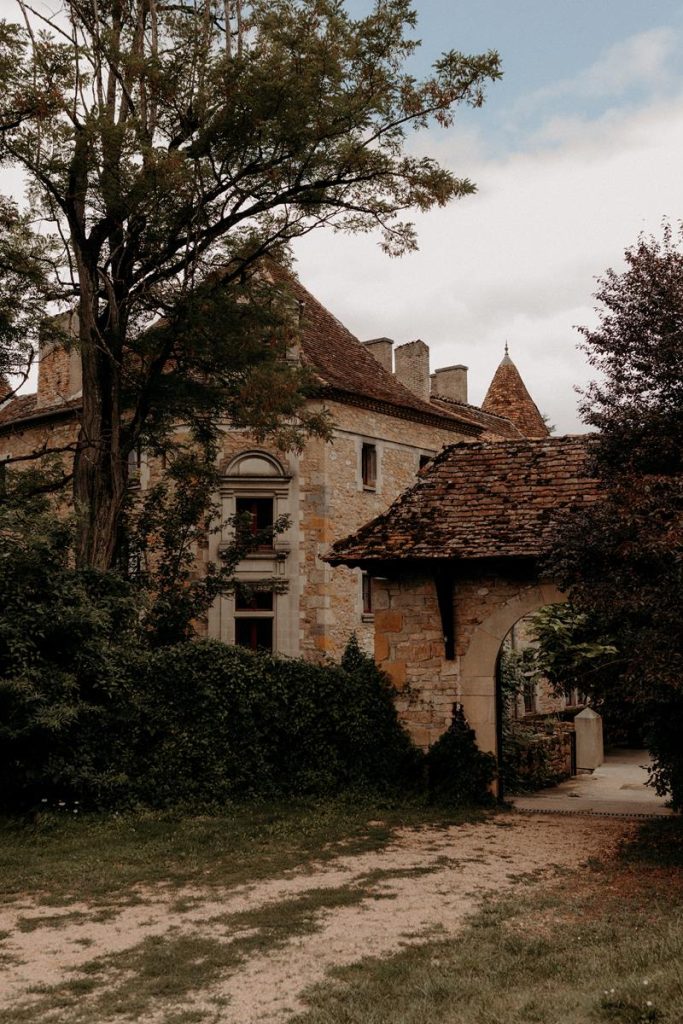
[567, 651]
[227, 723]
[66, 642]
[91, 714]
[621, 559]
[24, 290]
[169, 148]
[457, 771]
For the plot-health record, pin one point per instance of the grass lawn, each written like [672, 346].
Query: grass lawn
[58, 858]
[604, 945]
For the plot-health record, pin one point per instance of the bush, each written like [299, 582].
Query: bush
[457, 771]
[67, 720]
[226, 723]
[663, 739]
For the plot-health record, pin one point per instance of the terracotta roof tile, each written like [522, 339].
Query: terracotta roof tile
[342, 363]
[17, 408]
[507, 396]
[479, 500]
[23, 409]
[495, 427]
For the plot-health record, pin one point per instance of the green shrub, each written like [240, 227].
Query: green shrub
[457, 771]
[226, 723]
[663, 739]
[67, 720]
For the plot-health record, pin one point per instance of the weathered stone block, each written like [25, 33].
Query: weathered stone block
[388, 621]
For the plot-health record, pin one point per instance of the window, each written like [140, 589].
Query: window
[254, 618]
[255, 493]
[134, 464]
[369, 466]
[255, 633]
[366, 585]
[260, 511]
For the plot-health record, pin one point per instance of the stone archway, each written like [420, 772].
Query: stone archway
[479, 658]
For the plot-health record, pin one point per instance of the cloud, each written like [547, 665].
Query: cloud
[644, 61]
[519, 260]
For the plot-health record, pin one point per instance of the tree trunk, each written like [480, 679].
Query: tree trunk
[100, 467]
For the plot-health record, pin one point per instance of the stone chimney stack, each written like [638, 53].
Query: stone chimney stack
[412, 367]
[59, 367]
[383, 351]
[451, 382]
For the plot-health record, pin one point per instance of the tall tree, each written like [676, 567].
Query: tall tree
[25, 261]
[164, 142]
[622, 559]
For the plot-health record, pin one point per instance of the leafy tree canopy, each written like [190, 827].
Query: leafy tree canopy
[169, 147]
[621, 560]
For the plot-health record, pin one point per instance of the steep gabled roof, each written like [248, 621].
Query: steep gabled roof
[507, 396]
[342, 366]
[480, 500]
[24, 409]
[494, 427]
[347, 370]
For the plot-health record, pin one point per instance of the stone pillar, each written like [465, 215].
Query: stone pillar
[589, 748]
[412, 368]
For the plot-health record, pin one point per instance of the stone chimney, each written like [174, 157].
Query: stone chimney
[451, 382]
[383, 351]
[412, 367]
[59, 366]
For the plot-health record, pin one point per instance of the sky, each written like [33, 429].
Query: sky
[578, 149]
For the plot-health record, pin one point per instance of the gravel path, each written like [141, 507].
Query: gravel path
[457, 868]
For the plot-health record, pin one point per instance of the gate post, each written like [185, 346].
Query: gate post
[589, 748]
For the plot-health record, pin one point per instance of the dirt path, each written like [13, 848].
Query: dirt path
[426, 880]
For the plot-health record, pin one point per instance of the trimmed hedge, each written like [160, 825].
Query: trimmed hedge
[225, 723]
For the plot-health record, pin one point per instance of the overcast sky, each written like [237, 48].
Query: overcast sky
[577, 150]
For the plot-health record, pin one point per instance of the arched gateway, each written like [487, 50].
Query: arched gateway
[456, 561]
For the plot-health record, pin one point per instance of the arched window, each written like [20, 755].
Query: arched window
[256, 484]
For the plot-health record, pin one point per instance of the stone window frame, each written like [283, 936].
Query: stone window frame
[272, 482]
[364, 443]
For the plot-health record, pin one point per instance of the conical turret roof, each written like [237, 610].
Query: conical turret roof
[507, 396]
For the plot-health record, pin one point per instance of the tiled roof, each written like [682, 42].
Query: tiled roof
[342, 364]
[495, 427]
[24, 409]
[17, 408]
[479, 500]
[507, 396]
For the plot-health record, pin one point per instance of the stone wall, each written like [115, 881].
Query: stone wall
[333, 502]
[326, 500]
[409, 645]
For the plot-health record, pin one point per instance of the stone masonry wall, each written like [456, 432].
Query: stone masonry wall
[409, 648]
[333, 503]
